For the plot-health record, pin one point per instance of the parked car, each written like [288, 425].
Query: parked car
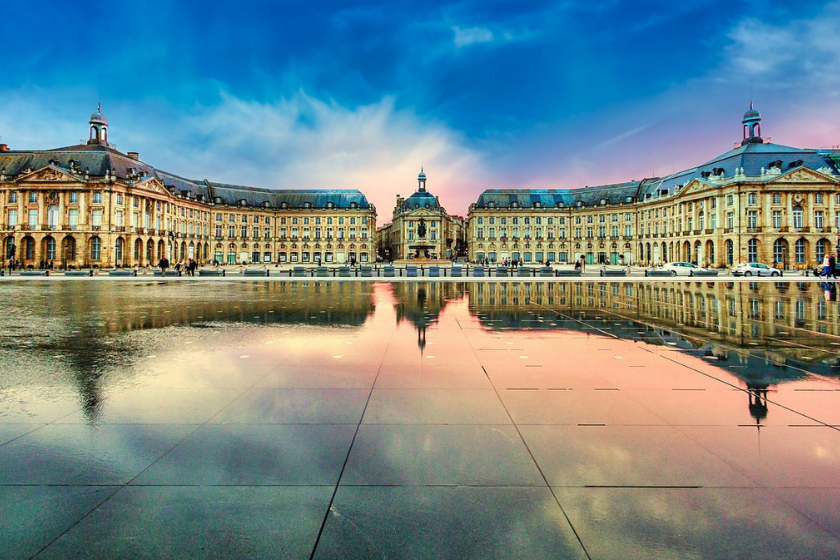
[681, 268]
[755, 269]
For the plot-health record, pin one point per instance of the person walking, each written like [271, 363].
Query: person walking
[832, 266]
[826, 268]
[163, 265]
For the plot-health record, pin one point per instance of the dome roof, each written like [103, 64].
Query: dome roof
[98, 117]
[752, 114]
[422, 175]
[420, 199]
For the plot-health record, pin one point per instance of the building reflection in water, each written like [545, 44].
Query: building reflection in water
[86, 331]
[763, 333]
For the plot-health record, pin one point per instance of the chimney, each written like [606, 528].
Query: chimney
[134, 155]
[4, 147]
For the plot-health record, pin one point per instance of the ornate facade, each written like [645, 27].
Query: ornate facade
[758, 202]
[420, 221]
[91, 205]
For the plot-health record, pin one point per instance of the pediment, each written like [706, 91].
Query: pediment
[50, 174]
[154, 185]
[803, 175]
[693, 186]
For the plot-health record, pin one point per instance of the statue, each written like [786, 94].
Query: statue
[421, 229]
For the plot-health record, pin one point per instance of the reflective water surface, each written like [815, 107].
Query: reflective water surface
[419, 420]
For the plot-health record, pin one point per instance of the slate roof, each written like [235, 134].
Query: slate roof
[99, 160]
[752, 157]
[420, 199]
[551, 198]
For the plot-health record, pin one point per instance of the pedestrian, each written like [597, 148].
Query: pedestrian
[826, 268]
[832, 266]
[179, 267]
[163, 264]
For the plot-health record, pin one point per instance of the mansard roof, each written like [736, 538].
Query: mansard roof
[752, 158]
[99, 161]
[420, 199]
[552, 198]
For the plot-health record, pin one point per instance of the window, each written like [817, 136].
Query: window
[12, 218]
[218, 231]
[818, 219]
[33, 197]
[73, 217]
[97, 198]
[777, 198]
[777, 219]
[797, 217]
[752, 219]
[13, 197]
[818, 198]
[33, 218]
[713, 221]
[730, 220]
[119, 199]
[752, 198]
[52, 216]
[779, 251]
[95, 248]
[730, 200]
[752, 250]
[799, 251]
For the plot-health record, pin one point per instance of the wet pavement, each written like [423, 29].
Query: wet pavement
[152, 419]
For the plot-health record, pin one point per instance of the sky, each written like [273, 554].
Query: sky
[359, 94]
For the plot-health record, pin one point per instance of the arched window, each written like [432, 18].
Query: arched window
[95, 248]
[822, 249]
[797, 217]
[799, 251]
[752, 250]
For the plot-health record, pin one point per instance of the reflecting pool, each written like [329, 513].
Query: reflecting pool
[309, 419]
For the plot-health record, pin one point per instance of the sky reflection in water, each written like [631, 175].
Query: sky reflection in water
[659, 418]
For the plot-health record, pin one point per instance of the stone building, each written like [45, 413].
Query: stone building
[91, 205]
[420, 220]
[757, 202]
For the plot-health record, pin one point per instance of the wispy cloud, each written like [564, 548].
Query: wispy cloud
[304, 142]
[471, 35]
[787, 50]
[622, 136]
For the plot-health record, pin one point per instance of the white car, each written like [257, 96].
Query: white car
[682, 268]
[755, 269]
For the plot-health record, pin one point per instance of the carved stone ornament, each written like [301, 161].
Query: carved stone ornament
[52, 195]
[49, 175]
[804, 176]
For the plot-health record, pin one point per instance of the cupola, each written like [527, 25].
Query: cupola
[98, 127]
[752, 127]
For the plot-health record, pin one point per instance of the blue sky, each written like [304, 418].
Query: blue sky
[484, 94]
